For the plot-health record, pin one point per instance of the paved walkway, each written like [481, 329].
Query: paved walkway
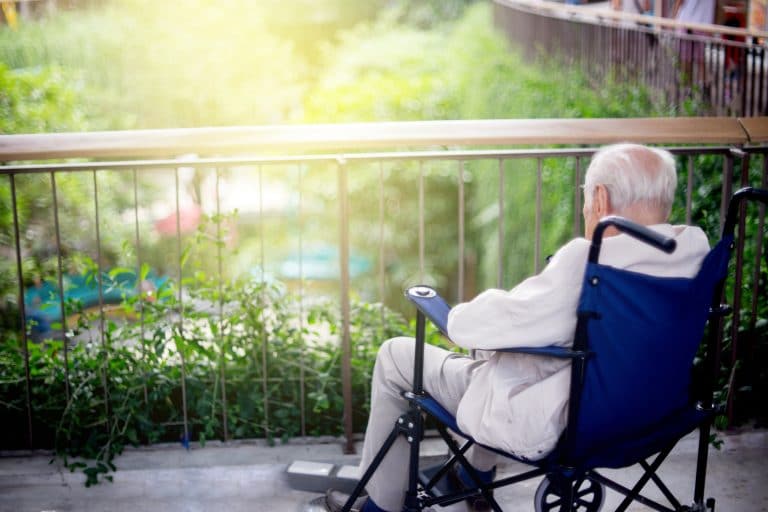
[243, 476]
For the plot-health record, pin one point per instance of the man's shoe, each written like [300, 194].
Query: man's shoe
[335, 501]
[476, 503]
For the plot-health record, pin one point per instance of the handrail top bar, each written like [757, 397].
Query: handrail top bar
[585, 10]
[756, 128]
[340, 158]
[234, 140]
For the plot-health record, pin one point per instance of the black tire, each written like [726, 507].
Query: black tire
[589, 496]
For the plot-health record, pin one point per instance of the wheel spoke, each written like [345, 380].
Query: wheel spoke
[558, 500]
[553, 504]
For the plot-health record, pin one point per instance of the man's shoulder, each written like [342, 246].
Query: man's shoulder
[573, 252]
[691, 238]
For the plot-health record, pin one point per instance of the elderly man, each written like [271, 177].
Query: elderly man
[518, 402]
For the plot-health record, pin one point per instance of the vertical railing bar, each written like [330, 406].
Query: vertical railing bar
[577, 208]
[421, 221]
[756, 289]
[758, 247]
[726, 188]
[759, 74]
[346, 360]
[689, 192]
[382, 291]
[461, 230]
[642, 76]
[57, 229]
[537, 245]
[180, 325]
[752, 82]
[744, 77]
[737, 286]
[139, 292]
[22, 313]
[724, 200]
[761, 86]
[222, 337]
[721, 80]
[100, 284]
[302, 362]
[500, 275]
[264, 385]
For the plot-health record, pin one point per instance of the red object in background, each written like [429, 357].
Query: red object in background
[189, 219]
[734, 15]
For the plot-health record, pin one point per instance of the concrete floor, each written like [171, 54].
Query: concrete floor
[248, 476]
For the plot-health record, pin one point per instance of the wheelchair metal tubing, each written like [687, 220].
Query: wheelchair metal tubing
[649, 471]
[662, 487]
[701, 463]
[597, 477]
[418, 360]
[414, 436]
[451, 461]
[746, 193]
[372, 468]
[415, 422]
[711, 365]
[578, 367]
[568, 493]
[458, 454]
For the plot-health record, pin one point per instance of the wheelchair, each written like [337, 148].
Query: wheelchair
[630, 401]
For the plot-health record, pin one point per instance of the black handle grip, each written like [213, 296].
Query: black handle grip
[633, 229]
[746, 193]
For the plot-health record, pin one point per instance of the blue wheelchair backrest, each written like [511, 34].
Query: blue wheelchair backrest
[642, 333]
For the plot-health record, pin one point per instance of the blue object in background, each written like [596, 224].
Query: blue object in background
[42, 302]
[321, 263]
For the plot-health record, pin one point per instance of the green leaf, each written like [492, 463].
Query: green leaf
[116, 271]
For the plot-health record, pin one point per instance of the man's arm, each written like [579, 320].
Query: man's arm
[540, 311]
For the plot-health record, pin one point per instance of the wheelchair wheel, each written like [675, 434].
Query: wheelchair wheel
[588, 496]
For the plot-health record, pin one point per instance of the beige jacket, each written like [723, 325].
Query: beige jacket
[517, 402]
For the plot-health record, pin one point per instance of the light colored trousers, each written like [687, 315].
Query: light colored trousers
[446, 377]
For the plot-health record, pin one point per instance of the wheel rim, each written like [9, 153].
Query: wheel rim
[588, 496]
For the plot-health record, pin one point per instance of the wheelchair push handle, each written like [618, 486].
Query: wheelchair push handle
[633, 229]
[748, 194]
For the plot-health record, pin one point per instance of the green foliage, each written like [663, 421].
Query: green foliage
[39, 99]
[243, 345]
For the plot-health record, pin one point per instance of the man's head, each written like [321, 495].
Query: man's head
[634, 181]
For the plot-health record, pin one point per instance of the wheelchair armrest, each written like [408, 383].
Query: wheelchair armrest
[434, 307]
[551, 351]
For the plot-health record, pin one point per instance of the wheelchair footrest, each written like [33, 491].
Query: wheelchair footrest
[442, 487]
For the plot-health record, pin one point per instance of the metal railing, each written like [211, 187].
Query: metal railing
[696, 68]
[355, 193]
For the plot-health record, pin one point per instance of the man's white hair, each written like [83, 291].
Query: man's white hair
[634, 175]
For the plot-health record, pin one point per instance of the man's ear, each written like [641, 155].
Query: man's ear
[601, 202]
